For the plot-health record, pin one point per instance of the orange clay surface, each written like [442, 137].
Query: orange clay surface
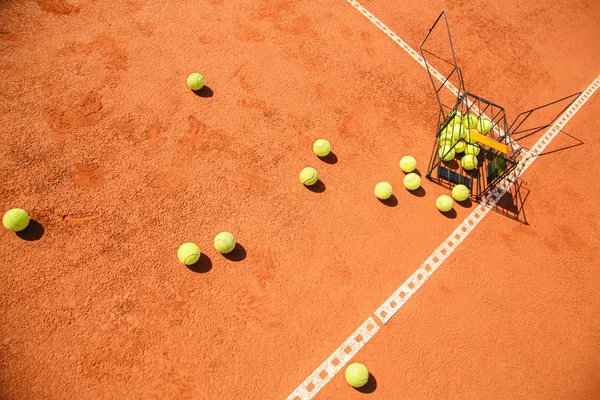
[118, 162]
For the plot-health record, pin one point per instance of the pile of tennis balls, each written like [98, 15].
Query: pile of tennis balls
[457, 134]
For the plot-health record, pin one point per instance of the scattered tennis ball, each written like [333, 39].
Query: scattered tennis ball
[188, 253]
[408, 164]
[469, 121]
[412, 181]
[383, 190]
[472, 149]
[460, 147]
[15, 220]
[224, 242]
[322, 147]
[444, 203]
[357, 375]
[458, 132]
[460, 192]
[484, 126]
[195, 81]
[469, 162]
[446, 153]
[309, 176]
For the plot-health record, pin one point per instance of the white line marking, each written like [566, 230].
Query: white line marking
[328, 369]
[335, 362]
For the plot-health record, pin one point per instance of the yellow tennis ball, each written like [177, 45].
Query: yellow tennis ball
[456, 119]
[446, 153]
[383, 190]
[460, 147]
[460, 192]
[469, 121]
[195, 81]
[444, 203]
[309, 176]
[472, 149]
[224, 242]
[469, 162]
[322, 147]
[447, 135]
[484, 126]
[188, 253]
[357, 375]
[15, 220]
[408, 164]
[458, 132]
[412, 181]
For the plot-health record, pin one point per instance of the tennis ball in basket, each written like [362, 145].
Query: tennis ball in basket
[472, 149]
[188, 253]
[460, 147]
[224, 242]
[412, 181]
[383, 190]
[484, 126]
[15, 220]
[469, 162]
[458, 132]
[444, 203]
[460, 192]
[469, 121]
[447, 135]
[408, 164]
[446, 153]
[456, 119]
[195, 81]
[322, 147]
[357, 375]
[309, 176]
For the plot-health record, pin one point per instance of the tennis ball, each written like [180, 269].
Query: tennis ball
[383, 190]
[188, 253]
[458, 132]
[224, 242]
[195, 81]
[309, 176]
[408, 164]
[412, 181]
[321, 147]
[472, 149]
[460, 192]
[469, 162]
[469, 121]
[446, 153]
[444, 203]
[484, 126]
[15, 220]
[456, 119]
[460, 147]
[447, 135]
[357, 375]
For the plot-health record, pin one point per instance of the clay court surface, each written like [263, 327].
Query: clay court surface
[119, 163]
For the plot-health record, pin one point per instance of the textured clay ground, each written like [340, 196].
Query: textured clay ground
[119, 163]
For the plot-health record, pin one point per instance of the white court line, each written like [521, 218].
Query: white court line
[325, 372]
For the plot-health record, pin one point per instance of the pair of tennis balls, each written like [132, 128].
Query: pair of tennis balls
[309, 175]
[412, 181]
[189, 253]
[444, 203]
[15, 220]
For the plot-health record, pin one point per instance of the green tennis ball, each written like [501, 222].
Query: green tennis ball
[322, 147]
[460, 147]
[188, 253]
[195, 81]
[412, 181]
[309, 176]
[15, 220]
[472, 149]
[469, 162]
[444, 203]
[357, 375]
[460, 192]
[408, 164]
[469, 121]
[446, 153]
[458, 132]
[224, 242]
[383, 190]
[484, 126]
